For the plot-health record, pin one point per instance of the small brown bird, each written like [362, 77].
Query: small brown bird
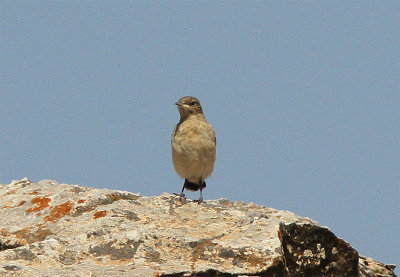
[193, 146]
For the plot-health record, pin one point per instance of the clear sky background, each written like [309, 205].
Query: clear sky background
[303, 96]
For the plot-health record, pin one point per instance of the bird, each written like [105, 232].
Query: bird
[193, 144]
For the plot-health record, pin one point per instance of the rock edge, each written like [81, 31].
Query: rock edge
[68, 230]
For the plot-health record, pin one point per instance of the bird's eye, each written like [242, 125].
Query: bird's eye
[192, 103]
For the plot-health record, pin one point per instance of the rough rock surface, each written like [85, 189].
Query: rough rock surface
[51, 229]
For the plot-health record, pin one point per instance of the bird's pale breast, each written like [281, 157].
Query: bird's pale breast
[193, 149]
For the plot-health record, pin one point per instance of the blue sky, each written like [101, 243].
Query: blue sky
[303, 96]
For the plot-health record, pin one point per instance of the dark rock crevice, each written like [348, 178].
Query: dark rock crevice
[6, 246]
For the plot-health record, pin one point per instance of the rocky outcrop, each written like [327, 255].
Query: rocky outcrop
[51, 229]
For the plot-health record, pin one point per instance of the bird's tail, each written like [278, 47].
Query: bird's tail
[193, 186]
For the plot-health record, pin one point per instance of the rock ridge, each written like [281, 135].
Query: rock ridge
[52, 229]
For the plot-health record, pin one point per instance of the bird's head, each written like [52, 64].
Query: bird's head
[189, 105]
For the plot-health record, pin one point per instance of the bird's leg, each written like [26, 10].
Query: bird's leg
[201, 191]
[201, 196]
[181, 195]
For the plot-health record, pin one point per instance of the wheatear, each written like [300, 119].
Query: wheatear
[193, 146]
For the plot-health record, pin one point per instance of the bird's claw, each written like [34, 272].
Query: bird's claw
[199, 201]
[181, 196]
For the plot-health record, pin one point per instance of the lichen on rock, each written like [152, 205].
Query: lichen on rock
[68, 230]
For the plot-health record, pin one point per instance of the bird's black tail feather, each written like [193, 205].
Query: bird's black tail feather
[192, 186]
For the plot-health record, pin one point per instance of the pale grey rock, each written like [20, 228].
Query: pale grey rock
[51, 229]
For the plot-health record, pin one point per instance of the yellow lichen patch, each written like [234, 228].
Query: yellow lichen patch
[39, 203]
[99, 214]
[23, 233]
[200, 247]
[114, 196]
[59, 211]
[11, 192]
[25, 236]
[254, 260]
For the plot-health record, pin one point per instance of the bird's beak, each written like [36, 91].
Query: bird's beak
[180, 105]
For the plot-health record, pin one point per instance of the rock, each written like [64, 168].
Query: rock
[310, 250]
[51, 229]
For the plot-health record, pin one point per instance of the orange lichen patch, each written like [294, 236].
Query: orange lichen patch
[59, 211]
[39, 203]
[280, 235]
[6, 207]
[21, 203]
[99, 214]
[80, 201]
[34, 193]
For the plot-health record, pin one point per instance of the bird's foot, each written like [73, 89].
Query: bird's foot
[181, 196]
[199, 201]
